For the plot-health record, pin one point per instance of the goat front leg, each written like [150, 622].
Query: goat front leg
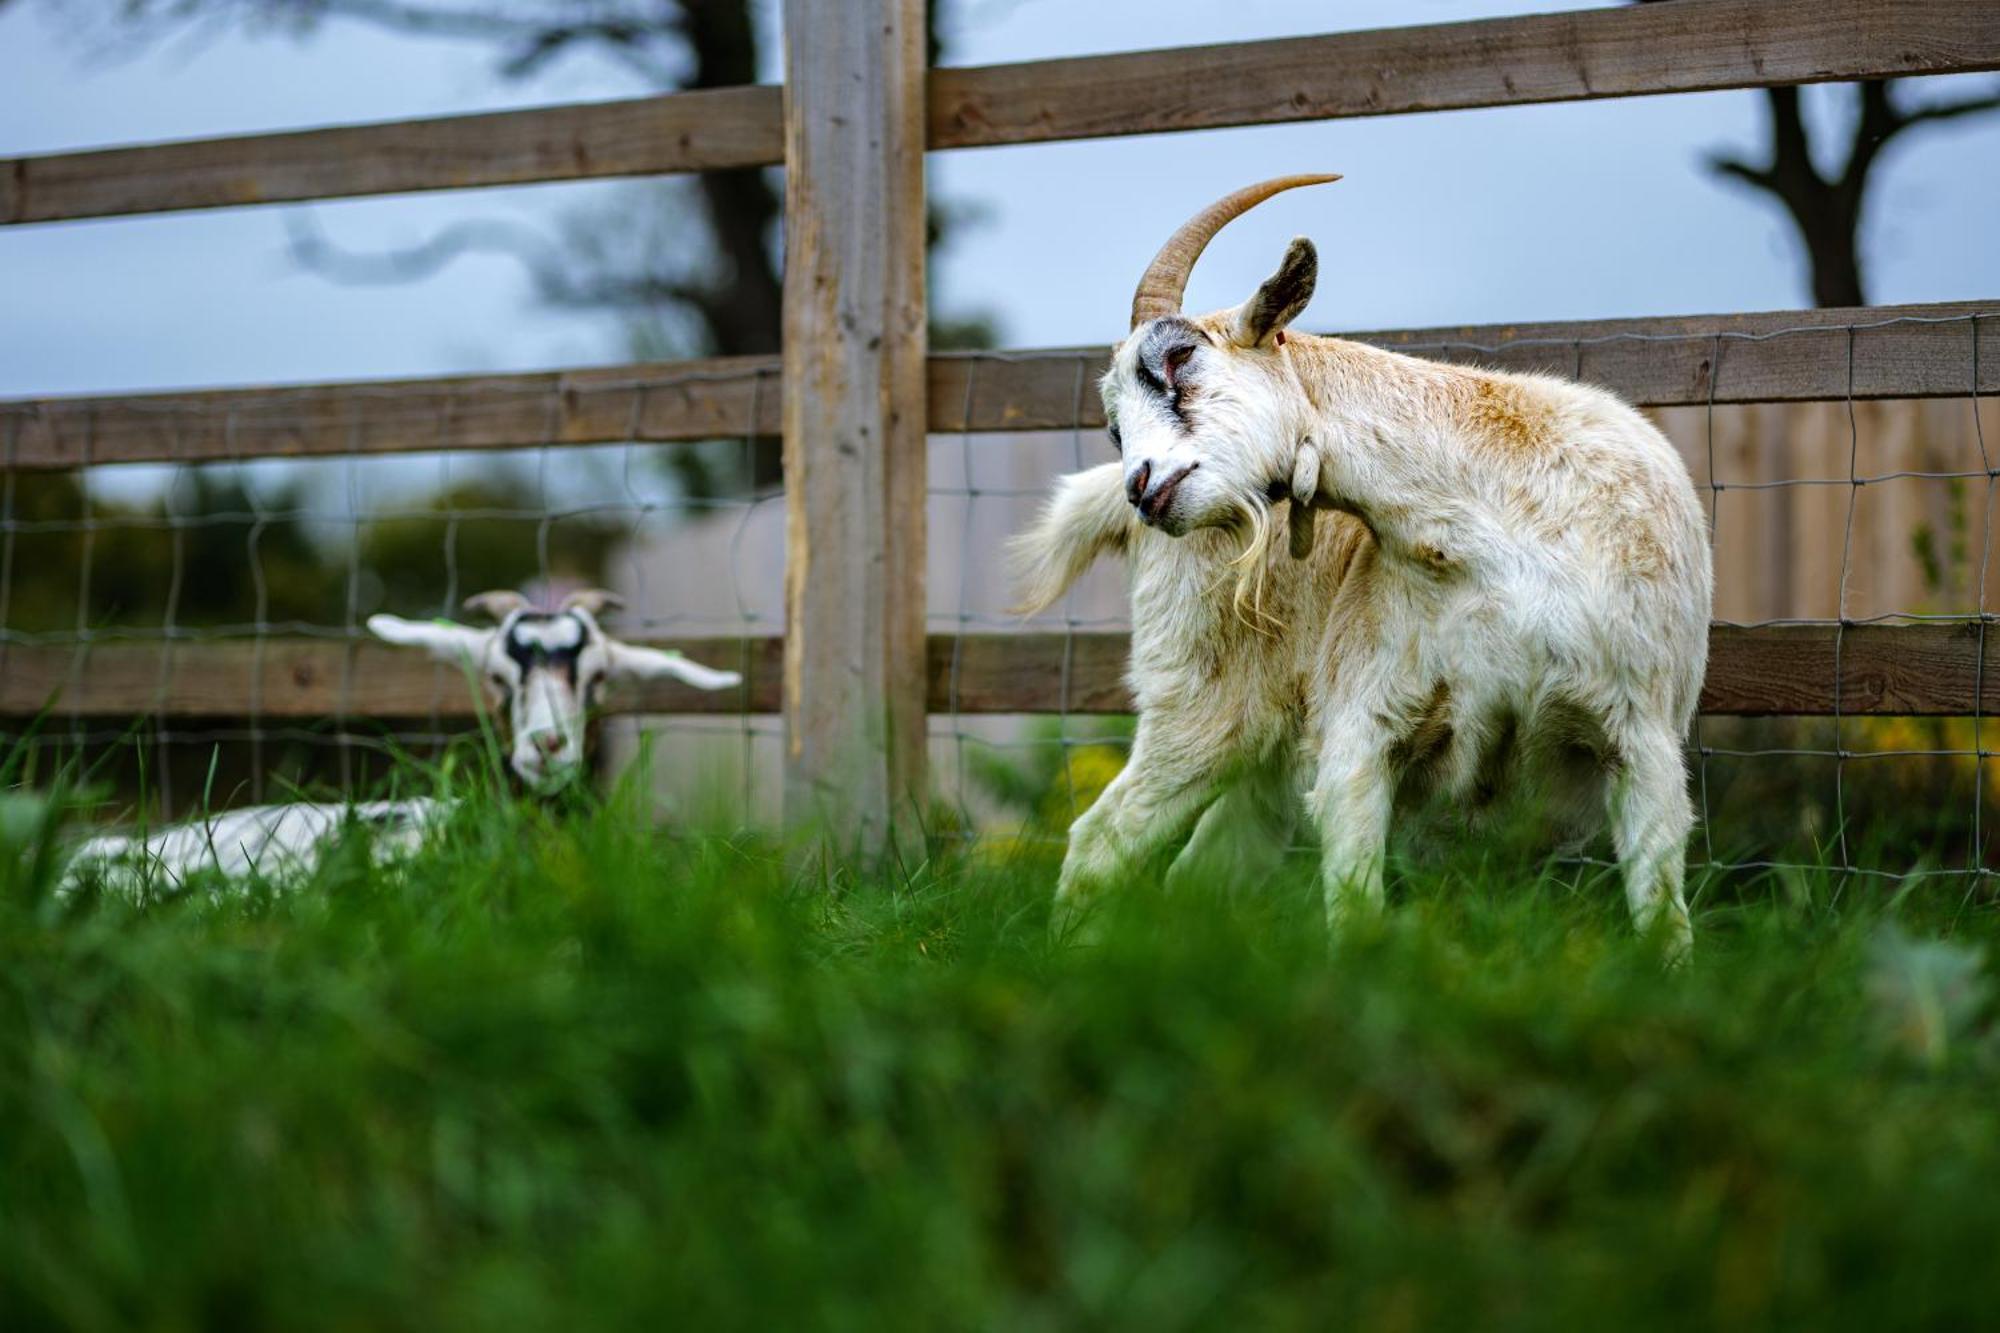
[1175, 765]
[1650, 819]
[1354, 790]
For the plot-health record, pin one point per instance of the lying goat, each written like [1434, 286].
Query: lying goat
[1513, 590]
[541, 673]
[544, 672]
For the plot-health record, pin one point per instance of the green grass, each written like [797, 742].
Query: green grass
[563, 1072]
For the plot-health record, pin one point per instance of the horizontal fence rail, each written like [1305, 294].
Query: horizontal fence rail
[1903, 670]
[1688, 46]
[1916, 351]
[706, 130]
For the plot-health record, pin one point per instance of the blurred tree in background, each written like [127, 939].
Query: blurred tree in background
[690, 267]
[245, 562]
[503, 545]
[77, 562]
[1826, 206]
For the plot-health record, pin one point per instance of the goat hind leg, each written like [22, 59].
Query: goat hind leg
[1650, 820]
[1241, 839]
[1352, 796]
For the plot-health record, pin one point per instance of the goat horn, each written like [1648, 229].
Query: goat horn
[498, 604]
[1165, 280]
[594, 600]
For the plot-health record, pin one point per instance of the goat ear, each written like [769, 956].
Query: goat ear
[636, 663]
[498, 604]
[456, 644]
[1281, 298]
[596, 601]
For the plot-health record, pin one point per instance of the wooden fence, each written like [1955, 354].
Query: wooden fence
[853, 392]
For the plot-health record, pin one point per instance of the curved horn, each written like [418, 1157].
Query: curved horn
[594, 600]
[498, 604]
[1166, 277]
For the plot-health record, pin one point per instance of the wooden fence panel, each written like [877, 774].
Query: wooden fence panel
[707, 130]
[1915, 351]
[854, 409]
[1917, 670]
[1688, 46]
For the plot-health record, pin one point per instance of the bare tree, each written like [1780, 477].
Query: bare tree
[1827, 210]
[691, 266]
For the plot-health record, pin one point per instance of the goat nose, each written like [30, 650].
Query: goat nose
[1135, 481]
[1155, 501]
[549, 742]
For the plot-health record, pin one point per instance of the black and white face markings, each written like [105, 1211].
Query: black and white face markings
[1160, 370]
[1161, 365]
[549, 642]
[1149, 399]
[543, 671]
[549, 667]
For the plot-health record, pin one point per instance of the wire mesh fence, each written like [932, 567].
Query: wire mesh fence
[195, 620]
[191, 626]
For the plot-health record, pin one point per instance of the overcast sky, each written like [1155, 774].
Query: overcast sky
[1583, 210]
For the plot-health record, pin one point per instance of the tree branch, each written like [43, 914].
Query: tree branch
[1939, 111]
[309, 248]
[1750, 174]
[555, 282]
[644, 37]
[1879, 122]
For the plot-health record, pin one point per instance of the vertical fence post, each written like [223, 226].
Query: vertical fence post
[854, 418]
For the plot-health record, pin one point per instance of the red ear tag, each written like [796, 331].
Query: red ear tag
[1281, 337]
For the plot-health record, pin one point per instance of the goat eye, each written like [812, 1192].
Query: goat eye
[1117, 441]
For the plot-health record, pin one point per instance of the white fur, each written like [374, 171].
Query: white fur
[279, 844]
[1514, 588]
[545, 712]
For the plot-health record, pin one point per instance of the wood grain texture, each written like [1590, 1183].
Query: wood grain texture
[854, 419]
[1922, 670]
[1916, 670]
[1915, 351]
[707, 130]
[682, 400]
[317, 678]
[1776, 670]
[1907, 351]
[1688, 46]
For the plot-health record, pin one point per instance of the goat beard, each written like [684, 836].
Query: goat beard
[1250, 565]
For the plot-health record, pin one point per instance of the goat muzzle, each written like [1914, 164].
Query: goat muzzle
[1153, 503]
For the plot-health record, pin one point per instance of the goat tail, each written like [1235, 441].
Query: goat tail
[1087, 517]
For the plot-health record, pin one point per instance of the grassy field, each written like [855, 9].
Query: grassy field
[565, 1072]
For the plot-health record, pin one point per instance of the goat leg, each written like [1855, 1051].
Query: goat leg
[1305, 485]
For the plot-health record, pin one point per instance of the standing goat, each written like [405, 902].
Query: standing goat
[1514, 591]
[541, 672]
